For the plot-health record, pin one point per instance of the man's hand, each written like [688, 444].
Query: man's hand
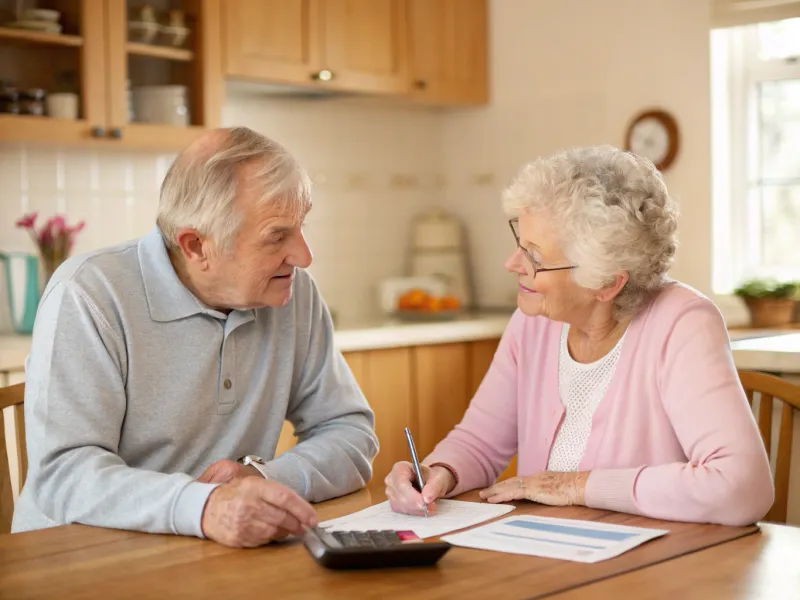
[245, 513]
[226, 470]
[545, 487]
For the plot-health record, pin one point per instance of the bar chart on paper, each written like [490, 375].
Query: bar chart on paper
[568, 539]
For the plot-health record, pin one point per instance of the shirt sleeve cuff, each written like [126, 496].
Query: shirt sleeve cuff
[612, 489]
[189, 508]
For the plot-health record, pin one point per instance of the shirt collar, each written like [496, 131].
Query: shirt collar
[167, 298]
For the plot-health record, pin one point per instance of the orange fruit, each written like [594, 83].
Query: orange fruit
[450, 303]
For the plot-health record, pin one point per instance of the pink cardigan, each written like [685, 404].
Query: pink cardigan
[673, 438]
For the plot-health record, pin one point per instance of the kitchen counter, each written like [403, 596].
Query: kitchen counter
[764, 349]
[393, 333]
[371, 334]
[777, 353]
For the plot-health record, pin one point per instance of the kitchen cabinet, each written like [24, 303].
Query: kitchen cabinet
[272, 40]
[365, 44]
[70, 62]
[447, 51]
[353, 45]
[385, 377]
[432, 51]
[441, 382]
[92, 56]
[422, 51]
[426, 388]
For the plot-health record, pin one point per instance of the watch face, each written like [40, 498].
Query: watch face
[650, 138]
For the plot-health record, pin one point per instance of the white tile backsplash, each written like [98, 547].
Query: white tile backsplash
[374, 168]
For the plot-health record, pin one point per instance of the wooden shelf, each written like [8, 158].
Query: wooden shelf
[35, 129]
[40, 37]
[178, 54]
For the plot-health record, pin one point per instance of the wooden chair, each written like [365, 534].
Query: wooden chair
[771, 388]
[12, 476]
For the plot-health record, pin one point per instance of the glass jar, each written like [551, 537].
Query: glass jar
[9, 100]
[31, 102]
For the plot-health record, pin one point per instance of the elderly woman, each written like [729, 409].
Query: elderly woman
[614, 385]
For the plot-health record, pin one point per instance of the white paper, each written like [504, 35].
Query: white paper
[567, 539]
[450, 515]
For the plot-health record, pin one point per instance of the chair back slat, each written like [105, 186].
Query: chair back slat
[765, 421]
[13, 455]
[772, 388]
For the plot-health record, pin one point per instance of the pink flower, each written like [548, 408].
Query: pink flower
[54, 239]
[57, 226]
[27, 221]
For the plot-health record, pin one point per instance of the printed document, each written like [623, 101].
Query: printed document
[567, 539]
[450, 515]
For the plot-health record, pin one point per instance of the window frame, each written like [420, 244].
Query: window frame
[736, 72]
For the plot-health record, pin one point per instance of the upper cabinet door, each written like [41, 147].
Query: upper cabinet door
[447, 50]
[272, 40]
[364, 44]
[164, 83]
[66, 58]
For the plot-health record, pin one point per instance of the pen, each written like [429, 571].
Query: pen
[417, 470]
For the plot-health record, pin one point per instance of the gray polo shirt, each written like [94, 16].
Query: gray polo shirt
[133, 387]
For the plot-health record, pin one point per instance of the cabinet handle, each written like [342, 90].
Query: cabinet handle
[98, 132]
[421, 84]
[323, 75]
[115, 133]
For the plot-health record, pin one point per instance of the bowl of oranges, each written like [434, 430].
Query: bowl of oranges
[419, 304]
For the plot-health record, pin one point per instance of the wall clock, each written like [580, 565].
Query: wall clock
[654, 135]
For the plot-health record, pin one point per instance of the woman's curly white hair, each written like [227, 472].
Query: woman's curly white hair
[612, 213]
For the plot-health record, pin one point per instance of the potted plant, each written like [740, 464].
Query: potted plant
[770, 303]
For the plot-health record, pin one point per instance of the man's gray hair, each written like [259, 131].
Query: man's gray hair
[612, 213]
[200, 186]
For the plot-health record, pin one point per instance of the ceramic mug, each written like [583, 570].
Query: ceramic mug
[62, 106]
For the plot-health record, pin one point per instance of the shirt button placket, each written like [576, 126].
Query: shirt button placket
[227, 392]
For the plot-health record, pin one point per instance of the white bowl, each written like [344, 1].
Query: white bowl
[40, 14]
[142, 31]
[47, 26]
[165, 104]
[173, 36]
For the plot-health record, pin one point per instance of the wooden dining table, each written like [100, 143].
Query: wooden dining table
[691, 561]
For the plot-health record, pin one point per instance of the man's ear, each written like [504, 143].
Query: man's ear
[192, 247]
[610, 291]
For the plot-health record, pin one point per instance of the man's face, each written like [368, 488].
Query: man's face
[259, 269]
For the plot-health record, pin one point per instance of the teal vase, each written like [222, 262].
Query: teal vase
[22, 287]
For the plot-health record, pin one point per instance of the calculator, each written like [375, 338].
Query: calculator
[370, 549]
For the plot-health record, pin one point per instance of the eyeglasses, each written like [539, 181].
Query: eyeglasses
[514, 224]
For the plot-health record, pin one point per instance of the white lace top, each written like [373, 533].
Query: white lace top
[580, 388]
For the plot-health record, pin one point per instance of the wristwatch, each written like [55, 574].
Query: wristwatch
[255, 461]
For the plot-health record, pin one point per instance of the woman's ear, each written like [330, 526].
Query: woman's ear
[612, 290]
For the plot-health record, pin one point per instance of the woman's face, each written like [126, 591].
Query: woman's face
[550, 294]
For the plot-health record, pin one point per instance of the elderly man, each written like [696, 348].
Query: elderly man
[162, 370]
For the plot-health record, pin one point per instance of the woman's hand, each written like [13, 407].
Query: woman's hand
[545, 487]
[404, 498]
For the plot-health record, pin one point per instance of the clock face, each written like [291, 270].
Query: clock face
[650, 138]
[654, 135]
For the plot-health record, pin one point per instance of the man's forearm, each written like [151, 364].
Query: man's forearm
[331, 462]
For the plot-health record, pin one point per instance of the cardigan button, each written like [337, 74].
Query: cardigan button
[227, 383]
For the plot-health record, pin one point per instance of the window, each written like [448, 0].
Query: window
[755, 93]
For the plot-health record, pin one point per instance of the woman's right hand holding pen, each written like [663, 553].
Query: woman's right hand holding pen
[403, 496]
